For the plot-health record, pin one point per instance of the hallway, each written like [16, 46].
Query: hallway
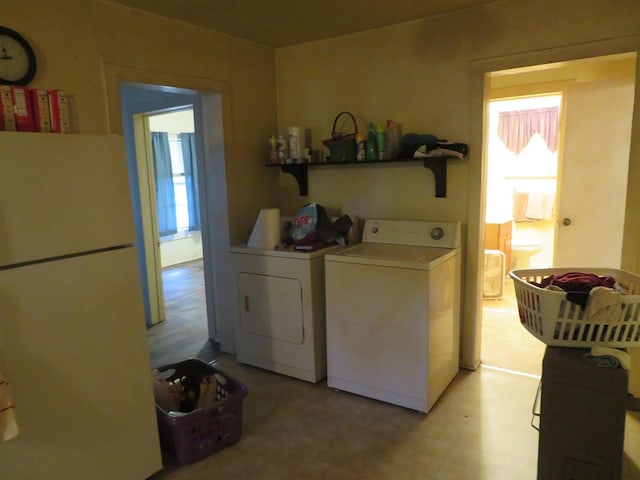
[184, 334]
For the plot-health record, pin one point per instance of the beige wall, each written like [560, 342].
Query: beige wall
[88, 46]
[428, 75]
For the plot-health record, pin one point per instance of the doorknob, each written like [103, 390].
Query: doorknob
[566, 222]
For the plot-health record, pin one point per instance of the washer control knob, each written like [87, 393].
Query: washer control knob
[437, 233]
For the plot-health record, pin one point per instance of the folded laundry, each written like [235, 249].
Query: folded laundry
[606, 357]
[602, 361]
[410, 142]
[462, 148]
[440, 152]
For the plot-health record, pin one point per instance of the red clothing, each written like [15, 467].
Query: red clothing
[576, 281]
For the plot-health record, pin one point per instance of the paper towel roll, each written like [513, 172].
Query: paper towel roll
[296, 142]
[266, 231]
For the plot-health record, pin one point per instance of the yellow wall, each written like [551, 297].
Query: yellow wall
[87, 46]
[426, 74]
[429, 75]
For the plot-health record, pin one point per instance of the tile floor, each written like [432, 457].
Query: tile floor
[478, 430]
[505, 342]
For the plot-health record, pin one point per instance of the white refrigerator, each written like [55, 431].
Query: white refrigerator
[72, 335]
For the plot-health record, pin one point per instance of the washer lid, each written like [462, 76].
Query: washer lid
[400, 256]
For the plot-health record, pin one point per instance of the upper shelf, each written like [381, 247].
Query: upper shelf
[437, 164]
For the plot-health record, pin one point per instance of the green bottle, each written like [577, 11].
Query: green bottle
[372, 144]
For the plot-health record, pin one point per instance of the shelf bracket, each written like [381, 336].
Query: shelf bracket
[299, 172]
[438, 166]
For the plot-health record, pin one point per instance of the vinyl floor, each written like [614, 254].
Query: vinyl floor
[480, 429]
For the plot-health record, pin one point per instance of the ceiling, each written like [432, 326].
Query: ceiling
[278, 23]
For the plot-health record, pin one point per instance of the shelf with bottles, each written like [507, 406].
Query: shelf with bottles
[437, 164]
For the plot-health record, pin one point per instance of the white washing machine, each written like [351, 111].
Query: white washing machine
[280, 314]
[393, 312]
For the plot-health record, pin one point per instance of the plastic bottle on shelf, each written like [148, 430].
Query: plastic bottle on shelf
[283, 149]
[372, 146]
[362, 147]
[380, 141]
[392, 146]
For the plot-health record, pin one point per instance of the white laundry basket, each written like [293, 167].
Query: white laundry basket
[556, 321]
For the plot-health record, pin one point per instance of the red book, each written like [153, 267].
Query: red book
[22, 108]
[62, 107]
[7, 118]
[41, 114]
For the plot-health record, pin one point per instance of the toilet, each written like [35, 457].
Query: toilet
[521, 252]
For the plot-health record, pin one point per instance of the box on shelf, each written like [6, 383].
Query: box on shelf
[22, 108]
[62, 107]
[7, 117]
[41, 112]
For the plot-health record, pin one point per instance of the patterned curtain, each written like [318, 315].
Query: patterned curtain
[516, 128]
[165, 196]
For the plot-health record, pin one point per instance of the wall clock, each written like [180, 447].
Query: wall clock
[17, 60]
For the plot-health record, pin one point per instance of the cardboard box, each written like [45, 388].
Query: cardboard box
[62, 106]
[41, 112]
[7, 117]
[22, 108]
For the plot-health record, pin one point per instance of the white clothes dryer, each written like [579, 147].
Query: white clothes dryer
[279, 320]
[393, 312]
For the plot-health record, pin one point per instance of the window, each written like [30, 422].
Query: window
[179, 184]
[176, 182]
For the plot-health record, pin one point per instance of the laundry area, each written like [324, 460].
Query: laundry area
[371, 305]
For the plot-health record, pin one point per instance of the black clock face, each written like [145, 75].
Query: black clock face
[17, 60]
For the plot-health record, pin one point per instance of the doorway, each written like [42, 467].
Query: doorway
[167, 153]
[567, 192]
[137, 100]
[175, 176]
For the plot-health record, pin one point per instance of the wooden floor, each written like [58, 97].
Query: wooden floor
[184, 334]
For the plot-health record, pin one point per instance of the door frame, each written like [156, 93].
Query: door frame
[532, 90]
[479, 95]
[212, 112]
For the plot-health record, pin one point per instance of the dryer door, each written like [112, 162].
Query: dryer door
[271, 307]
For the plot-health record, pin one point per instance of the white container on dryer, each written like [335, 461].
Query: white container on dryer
[393, 312]
[279, 320]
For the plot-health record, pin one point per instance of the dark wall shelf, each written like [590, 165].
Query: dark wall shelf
[438, 165]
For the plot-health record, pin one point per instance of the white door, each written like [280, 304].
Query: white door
[593, 181]
[146, 183]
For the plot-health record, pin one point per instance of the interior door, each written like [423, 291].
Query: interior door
[593, 181]
[146, 182]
